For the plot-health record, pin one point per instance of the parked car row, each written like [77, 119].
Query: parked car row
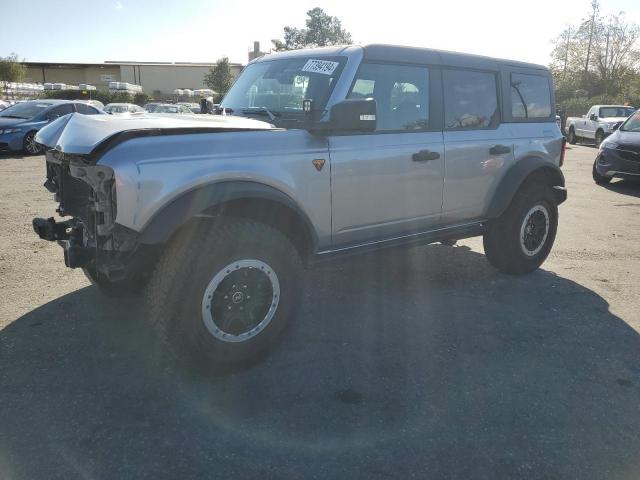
[20, 122]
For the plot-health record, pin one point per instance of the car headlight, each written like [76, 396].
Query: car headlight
[9, 130]
[609, 144]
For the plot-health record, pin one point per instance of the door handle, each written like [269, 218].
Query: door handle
[499, 150]
[425, 156]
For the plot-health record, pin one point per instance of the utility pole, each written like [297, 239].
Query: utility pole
[594, 6]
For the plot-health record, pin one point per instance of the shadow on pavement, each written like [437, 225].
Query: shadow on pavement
[625, 187]
[423, 362]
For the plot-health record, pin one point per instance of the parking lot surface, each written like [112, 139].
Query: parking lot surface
[424, 363]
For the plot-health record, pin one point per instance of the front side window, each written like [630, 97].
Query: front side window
[401, 94]
[470, 100]
[281, 85]
[530, 96]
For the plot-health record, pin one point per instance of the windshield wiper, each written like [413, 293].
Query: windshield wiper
[14, 116]
[259, 111]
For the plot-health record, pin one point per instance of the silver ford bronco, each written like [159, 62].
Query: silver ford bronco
[313, 154]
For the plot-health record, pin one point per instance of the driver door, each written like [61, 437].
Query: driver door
[389, 183]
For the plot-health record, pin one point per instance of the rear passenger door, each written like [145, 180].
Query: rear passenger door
[389, 183]
[478, 147]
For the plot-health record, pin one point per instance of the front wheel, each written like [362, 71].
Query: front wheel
[599, 138]
[223, 296]
[571, 137]
[520, 240]
[599, 179]
[29, 144]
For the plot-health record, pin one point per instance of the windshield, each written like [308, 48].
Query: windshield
[166, 109]
[116, 108]
[281, 85]
[616, 112]
[632, 124]
[25, 110]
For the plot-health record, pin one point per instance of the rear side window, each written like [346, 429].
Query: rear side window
[530, 96]
[470, 100]
[85, 109]
[401, 94]
[60, 110]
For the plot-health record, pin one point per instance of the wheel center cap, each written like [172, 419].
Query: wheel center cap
[237, 297]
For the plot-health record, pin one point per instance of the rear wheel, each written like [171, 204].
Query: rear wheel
[571, 136]
[221, 297]
[520, 240]
[29, 144]
[599, 179]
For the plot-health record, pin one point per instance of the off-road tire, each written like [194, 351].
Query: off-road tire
[115, 289]
[175, 292]
[502, 239]
[29, 145]
[599, 179]
[571, 136]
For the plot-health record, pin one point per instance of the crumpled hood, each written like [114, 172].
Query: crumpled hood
[81, 134]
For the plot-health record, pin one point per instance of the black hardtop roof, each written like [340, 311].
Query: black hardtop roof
[391, 53]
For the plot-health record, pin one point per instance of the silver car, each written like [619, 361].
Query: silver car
[316, 154]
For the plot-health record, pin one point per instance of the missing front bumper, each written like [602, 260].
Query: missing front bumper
[68, 234]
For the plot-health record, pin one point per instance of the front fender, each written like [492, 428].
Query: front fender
[172, 216]
[518, 174]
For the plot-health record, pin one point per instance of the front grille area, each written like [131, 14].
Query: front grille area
[74, 196]
[629, 152]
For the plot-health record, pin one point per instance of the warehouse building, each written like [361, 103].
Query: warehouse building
[158, 79]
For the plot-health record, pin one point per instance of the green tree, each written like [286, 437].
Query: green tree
[322, 30]
[12, 69]
[599, 56]
[219, 78]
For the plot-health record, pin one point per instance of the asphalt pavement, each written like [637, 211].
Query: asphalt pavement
[424, 363]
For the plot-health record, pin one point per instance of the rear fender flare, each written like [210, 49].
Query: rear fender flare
[517, 175]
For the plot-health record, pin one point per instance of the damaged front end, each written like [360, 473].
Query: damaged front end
[90, 238]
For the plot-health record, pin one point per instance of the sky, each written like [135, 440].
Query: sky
[205, 30]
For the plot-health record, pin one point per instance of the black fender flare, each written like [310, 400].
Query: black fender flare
[172, 216]
[516, 176]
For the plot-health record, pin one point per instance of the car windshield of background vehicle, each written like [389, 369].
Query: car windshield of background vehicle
[24, 110]
[530, 96]
[280, 86]
[116, 109]
[632, 124]
[615, 112]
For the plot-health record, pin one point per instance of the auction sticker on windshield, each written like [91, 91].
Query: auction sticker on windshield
[320, 66]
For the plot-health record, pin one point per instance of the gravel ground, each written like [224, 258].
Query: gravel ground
[423, 363]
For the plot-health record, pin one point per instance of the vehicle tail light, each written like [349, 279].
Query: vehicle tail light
[564, 148]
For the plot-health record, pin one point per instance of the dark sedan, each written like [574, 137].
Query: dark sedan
[19, 123]
[619, 154]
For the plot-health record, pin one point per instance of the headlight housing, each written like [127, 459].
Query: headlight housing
[608, 144]
[9, 130]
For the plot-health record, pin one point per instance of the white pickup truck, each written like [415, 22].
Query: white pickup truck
[597, 124]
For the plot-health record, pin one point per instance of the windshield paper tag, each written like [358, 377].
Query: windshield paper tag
[324, 67]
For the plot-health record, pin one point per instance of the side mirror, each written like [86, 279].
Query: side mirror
[616, 126]
[52, 117]
[593, 117]
[353, 115]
